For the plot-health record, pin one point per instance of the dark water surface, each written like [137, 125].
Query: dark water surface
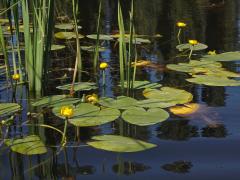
[202, 146]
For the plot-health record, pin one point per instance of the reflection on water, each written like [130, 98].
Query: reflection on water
[178, 130]
[218, 131]
[178, 167]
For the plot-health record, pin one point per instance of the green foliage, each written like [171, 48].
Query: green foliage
[9, 108]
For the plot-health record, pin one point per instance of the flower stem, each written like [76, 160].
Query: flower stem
[178, 35]
[191, 51]
[64, 132]
[104, 78]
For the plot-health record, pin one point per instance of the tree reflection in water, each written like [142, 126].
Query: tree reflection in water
[218, 131]
[178, 166]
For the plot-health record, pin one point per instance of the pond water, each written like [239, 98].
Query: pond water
[204, 145]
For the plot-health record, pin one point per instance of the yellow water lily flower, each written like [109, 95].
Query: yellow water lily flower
[181, 24]
[66, 111]
[185, 109]
[93, 99]
[16, 77]
[193, 42]
[103, 65]
[212, 52]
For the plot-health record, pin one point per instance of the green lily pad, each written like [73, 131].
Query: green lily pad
[213, 80]
[141, 117]
[197, 47]
[194, 64]
[119, 144]
[101, 37]
[121, 102]
[223, 57]
[65, 26]
[29, 145]
[67, 35]
[9, 108]
[89, 115]
[155, 103]
[56, 47]
[143, 85]
[55, 100]
[79, 86]
[137, 40]
[169, 95]
[92, 48]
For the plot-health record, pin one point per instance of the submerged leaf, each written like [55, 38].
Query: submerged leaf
[141, 117]
[29, 145]
[185, 109]
[121, 102]
[119, 144]
[9, 108]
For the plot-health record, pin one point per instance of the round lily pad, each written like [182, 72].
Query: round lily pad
[79, 86]
[143, 85]
[9, 108]
[141, 117]
[67, 35]
[121, 102]
[211, 80]
[224, 57]
[55, 100]
[154, 103]
[119, 143]
[169, 95]
[29, 145]
[197, 47]
[65, 26]
[101, 37]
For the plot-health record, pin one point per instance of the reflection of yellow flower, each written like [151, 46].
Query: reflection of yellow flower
[16, 77]
[92, 98]
[66, 111]
[212, 52]
[103, 65]
[193, 42]
[181, 24]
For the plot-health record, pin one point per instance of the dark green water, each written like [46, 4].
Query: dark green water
[201, 149]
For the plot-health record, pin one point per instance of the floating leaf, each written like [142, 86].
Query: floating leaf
[155, 103]
[29, 145]
[137, 40]
[67, 35]
[101, 37]
[228, 56]
[143, 85]
[142, 63]
[89, 115]
[56, 47]
[65, 26]
[169, 95]
[9, 108]
[196, 47]
[210, 80]
[141, 117]
[121, 102]
[92, 48]
[55, 100]
[185, 109]
[79, 86]
[119, 144]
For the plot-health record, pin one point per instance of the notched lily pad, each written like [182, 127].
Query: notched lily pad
[211, 80]
[141, 117]
[119, 144]
[197, 47]
[169, 95]
[121, 102]
[89, 115]
[9, 108]
[67, 35]
[29, 145]
[55, 100]
[79, 86]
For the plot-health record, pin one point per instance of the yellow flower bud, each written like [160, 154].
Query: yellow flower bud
[92, 98]
[193, 42]
[66, 111]
[181, 24]
[103, 65]
[212, 52]
[16, 77]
